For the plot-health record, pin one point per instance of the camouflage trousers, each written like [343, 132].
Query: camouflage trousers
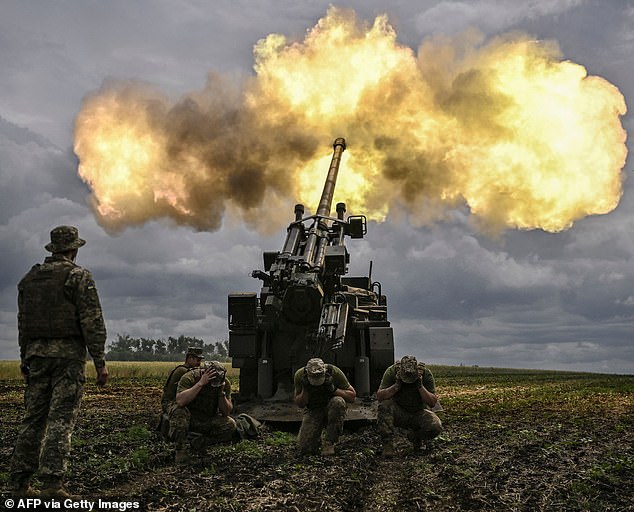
[200, 432]
[52, 400]
[424, 424]
[331, 416]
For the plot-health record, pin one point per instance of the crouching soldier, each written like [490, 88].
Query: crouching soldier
[406, 395]
[203, 399]
[169, 407]
[323, 390]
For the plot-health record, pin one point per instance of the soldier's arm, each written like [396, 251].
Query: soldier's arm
[24, 367]
[224, 404]
[301, 396]
[344, 389]
[427, 389]
[90, 316]
[428, 398]
[301, 399]
[186, 395]
[347, 394]
[387, 393]
[389, 386]
[21, 339]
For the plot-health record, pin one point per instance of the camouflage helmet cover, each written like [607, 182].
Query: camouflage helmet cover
[409, 369]
[221, 372]
[316, 371]
[64, 238]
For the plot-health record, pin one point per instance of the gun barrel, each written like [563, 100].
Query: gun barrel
[339, 146]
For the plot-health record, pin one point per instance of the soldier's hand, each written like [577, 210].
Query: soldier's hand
[102, 376]
[217, 380]
[419, 382]
[26, 371]
[208, 375]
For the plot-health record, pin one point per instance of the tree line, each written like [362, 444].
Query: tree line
[127, 348]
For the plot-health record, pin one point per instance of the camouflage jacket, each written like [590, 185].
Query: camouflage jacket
[80, 292]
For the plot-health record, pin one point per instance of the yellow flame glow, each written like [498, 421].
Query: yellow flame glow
[525, 139]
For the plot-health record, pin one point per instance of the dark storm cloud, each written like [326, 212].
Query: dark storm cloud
[450, 274]
[546, 302]
[527, 299]
[33, 170]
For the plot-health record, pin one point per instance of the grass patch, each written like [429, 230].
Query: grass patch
[138, 433]
[248, 448]
[280, 439]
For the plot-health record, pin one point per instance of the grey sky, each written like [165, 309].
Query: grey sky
[527, 299]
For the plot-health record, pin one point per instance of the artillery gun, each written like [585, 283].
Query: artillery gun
[307, 308]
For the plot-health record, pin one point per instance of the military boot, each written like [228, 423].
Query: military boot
[55, 489]
[328, 449]
[21, 487]
[182, 457]
[416, 442]
[388, 449]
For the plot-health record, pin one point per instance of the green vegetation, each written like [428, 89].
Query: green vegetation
[127, 348]
[280, 439]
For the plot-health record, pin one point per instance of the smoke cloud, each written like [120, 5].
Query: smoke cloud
[523, 138]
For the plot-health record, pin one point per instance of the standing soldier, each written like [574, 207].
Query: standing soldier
[323, 390]
[406, 395]
[59, 316]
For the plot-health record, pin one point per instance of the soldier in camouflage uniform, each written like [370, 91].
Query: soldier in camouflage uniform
[59, 316]
[193, 358]
[406, 394]
[169, 408]
[323, 390]
[203, 397]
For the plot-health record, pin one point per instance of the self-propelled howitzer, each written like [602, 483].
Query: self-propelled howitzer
[307, 308]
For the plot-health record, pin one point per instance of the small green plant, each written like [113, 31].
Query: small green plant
[210, 470]
[280, 439]
[140, 456]
[138, 433]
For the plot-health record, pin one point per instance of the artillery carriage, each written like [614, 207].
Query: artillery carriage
[308, 307]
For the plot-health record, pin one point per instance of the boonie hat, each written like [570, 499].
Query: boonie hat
[64, 238]
[316, 371]
[409, 369]
[196, 352]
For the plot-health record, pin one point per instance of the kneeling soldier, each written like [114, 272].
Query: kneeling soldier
[169, 407]
[406, 395]
[204, 403]
[323, 390]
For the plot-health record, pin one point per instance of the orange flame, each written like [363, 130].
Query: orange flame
[525, 139]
